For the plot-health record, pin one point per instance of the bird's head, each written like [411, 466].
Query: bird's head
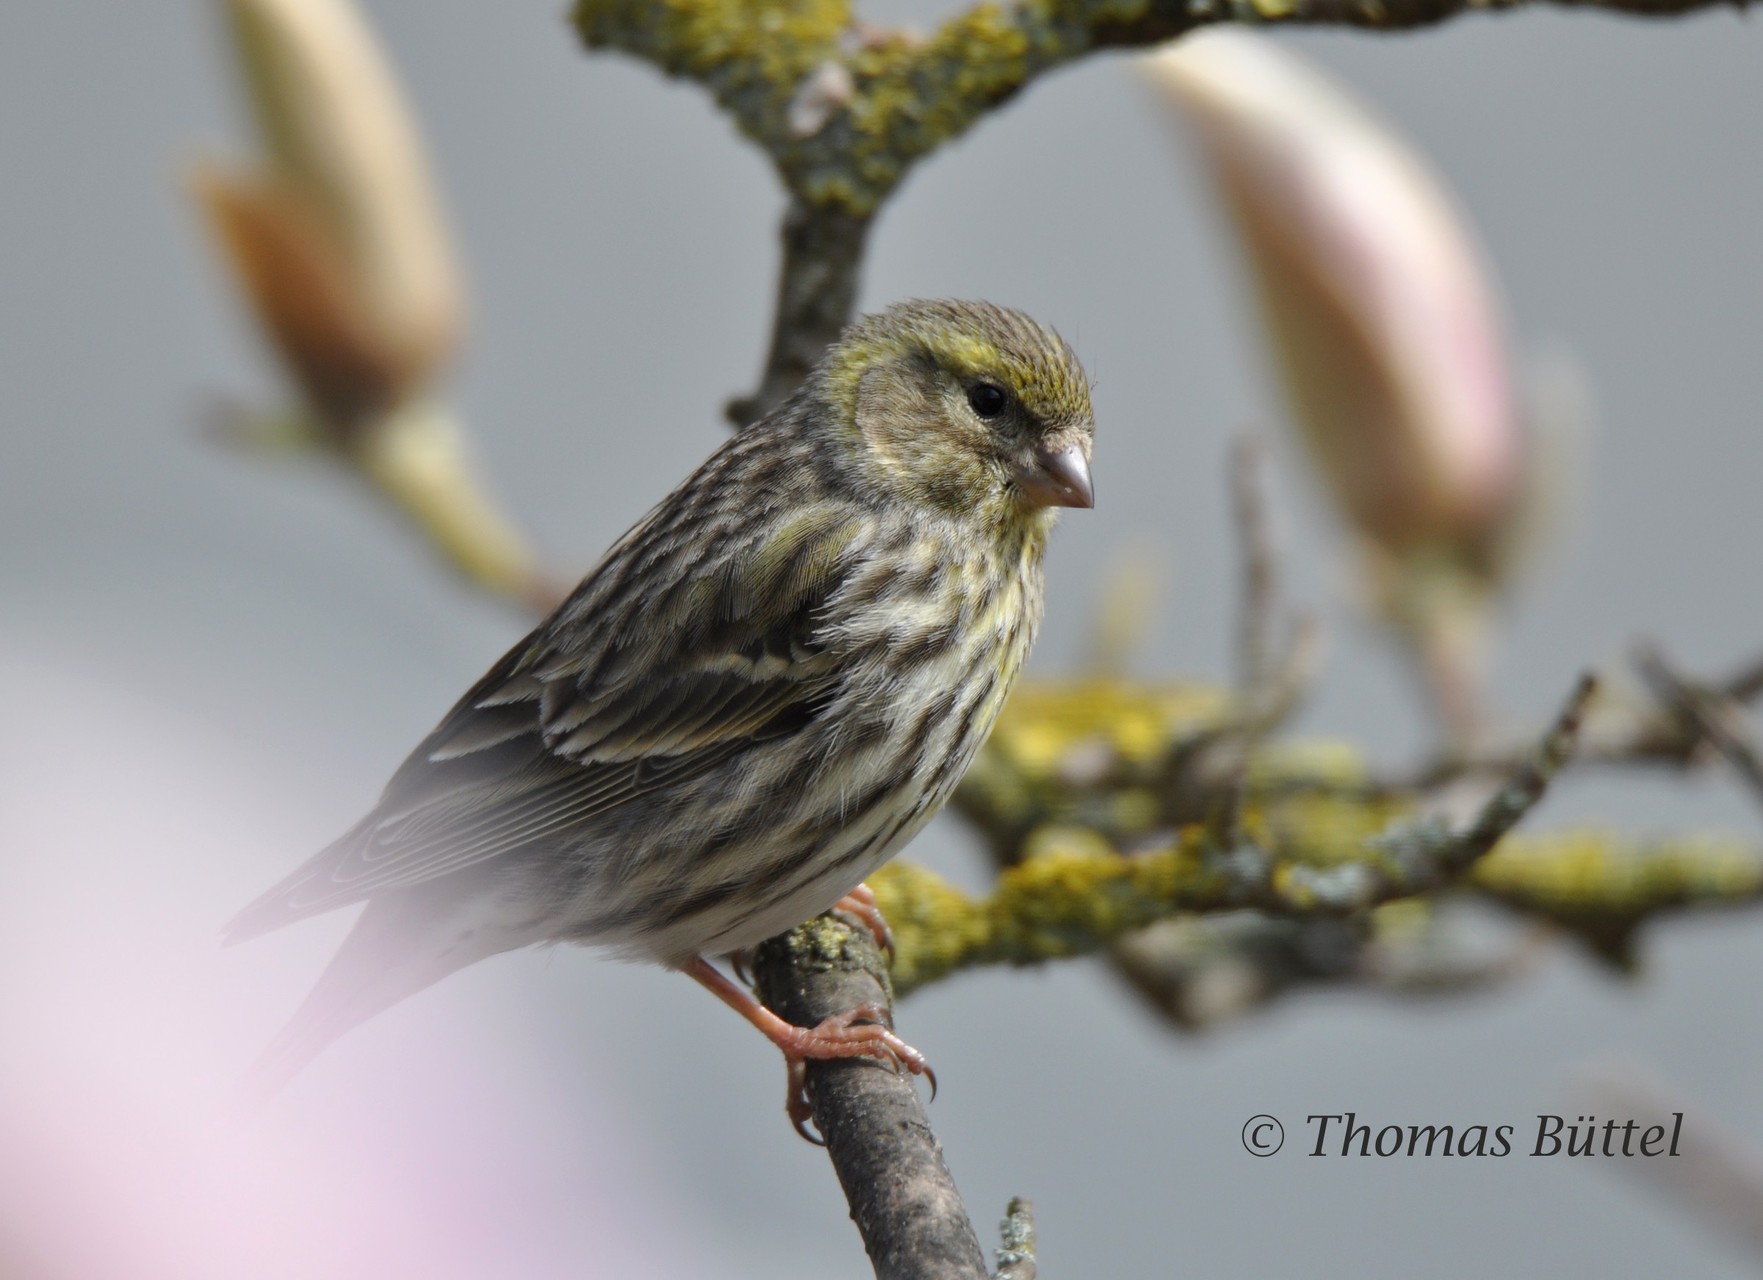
[964, 407]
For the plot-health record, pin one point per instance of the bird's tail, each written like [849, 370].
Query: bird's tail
[403, 942]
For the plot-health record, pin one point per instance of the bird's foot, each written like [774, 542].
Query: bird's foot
[857, 1033]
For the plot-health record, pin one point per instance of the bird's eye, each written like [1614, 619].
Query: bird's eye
[988, 401]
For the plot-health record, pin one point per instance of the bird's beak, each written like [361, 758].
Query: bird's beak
[1058, 478]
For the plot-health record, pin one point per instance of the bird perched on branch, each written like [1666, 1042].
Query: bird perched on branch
[765, 689]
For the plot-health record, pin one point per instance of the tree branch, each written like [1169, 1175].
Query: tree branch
[902, 1198]
[1199, 971]
[844, 110]
[1075, 894]
[816, 293]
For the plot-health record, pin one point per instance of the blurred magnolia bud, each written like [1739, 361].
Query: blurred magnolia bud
[1382, 323]
[1377, 307]
[339, 245]
[338, 240]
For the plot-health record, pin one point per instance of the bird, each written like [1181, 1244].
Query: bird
[759, 695]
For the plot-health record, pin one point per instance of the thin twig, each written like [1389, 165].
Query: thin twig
[1615, 736]
[1746, 684]
[1424, 856]
[1258, 594]
[1266, 693]
[1716, 1175]
[1016, 1256]
[1710, 715]
[1201, 971]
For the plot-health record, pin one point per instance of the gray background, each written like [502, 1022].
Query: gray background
[211, 663]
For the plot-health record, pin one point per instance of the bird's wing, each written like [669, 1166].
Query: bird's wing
[624, 694]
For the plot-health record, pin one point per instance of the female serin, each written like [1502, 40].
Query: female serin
[759, 696]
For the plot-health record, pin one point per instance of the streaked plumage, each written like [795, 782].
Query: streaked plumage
[763, 691]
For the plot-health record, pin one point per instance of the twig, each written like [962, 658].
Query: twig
[1511, 802]
[1201, 971]
[902, 1198]
[1016, 1257]
[1746, 684]
[913, 1223]
[1258, 596]
[1710, 715]
[1717, 1176]
[1266, 693]
[1613, 736]
[1120, 619]
[1420, 973]
[1447, 646]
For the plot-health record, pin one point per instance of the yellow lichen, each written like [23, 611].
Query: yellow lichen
[1045, 721]
[1074, 894]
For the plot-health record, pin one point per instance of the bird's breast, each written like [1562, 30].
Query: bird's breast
[956, 644]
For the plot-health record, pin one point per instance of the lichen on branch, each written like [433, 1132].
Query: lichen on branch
[845, 108]
[842, 108]
[1076, 896]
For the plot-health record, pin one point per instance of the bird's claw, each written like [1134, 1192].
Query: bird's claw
[796, 1100]
[742, 963]
[861, 906]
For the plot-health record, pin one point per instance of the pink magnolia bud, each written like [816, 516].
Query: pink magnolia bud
[1376, 304]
